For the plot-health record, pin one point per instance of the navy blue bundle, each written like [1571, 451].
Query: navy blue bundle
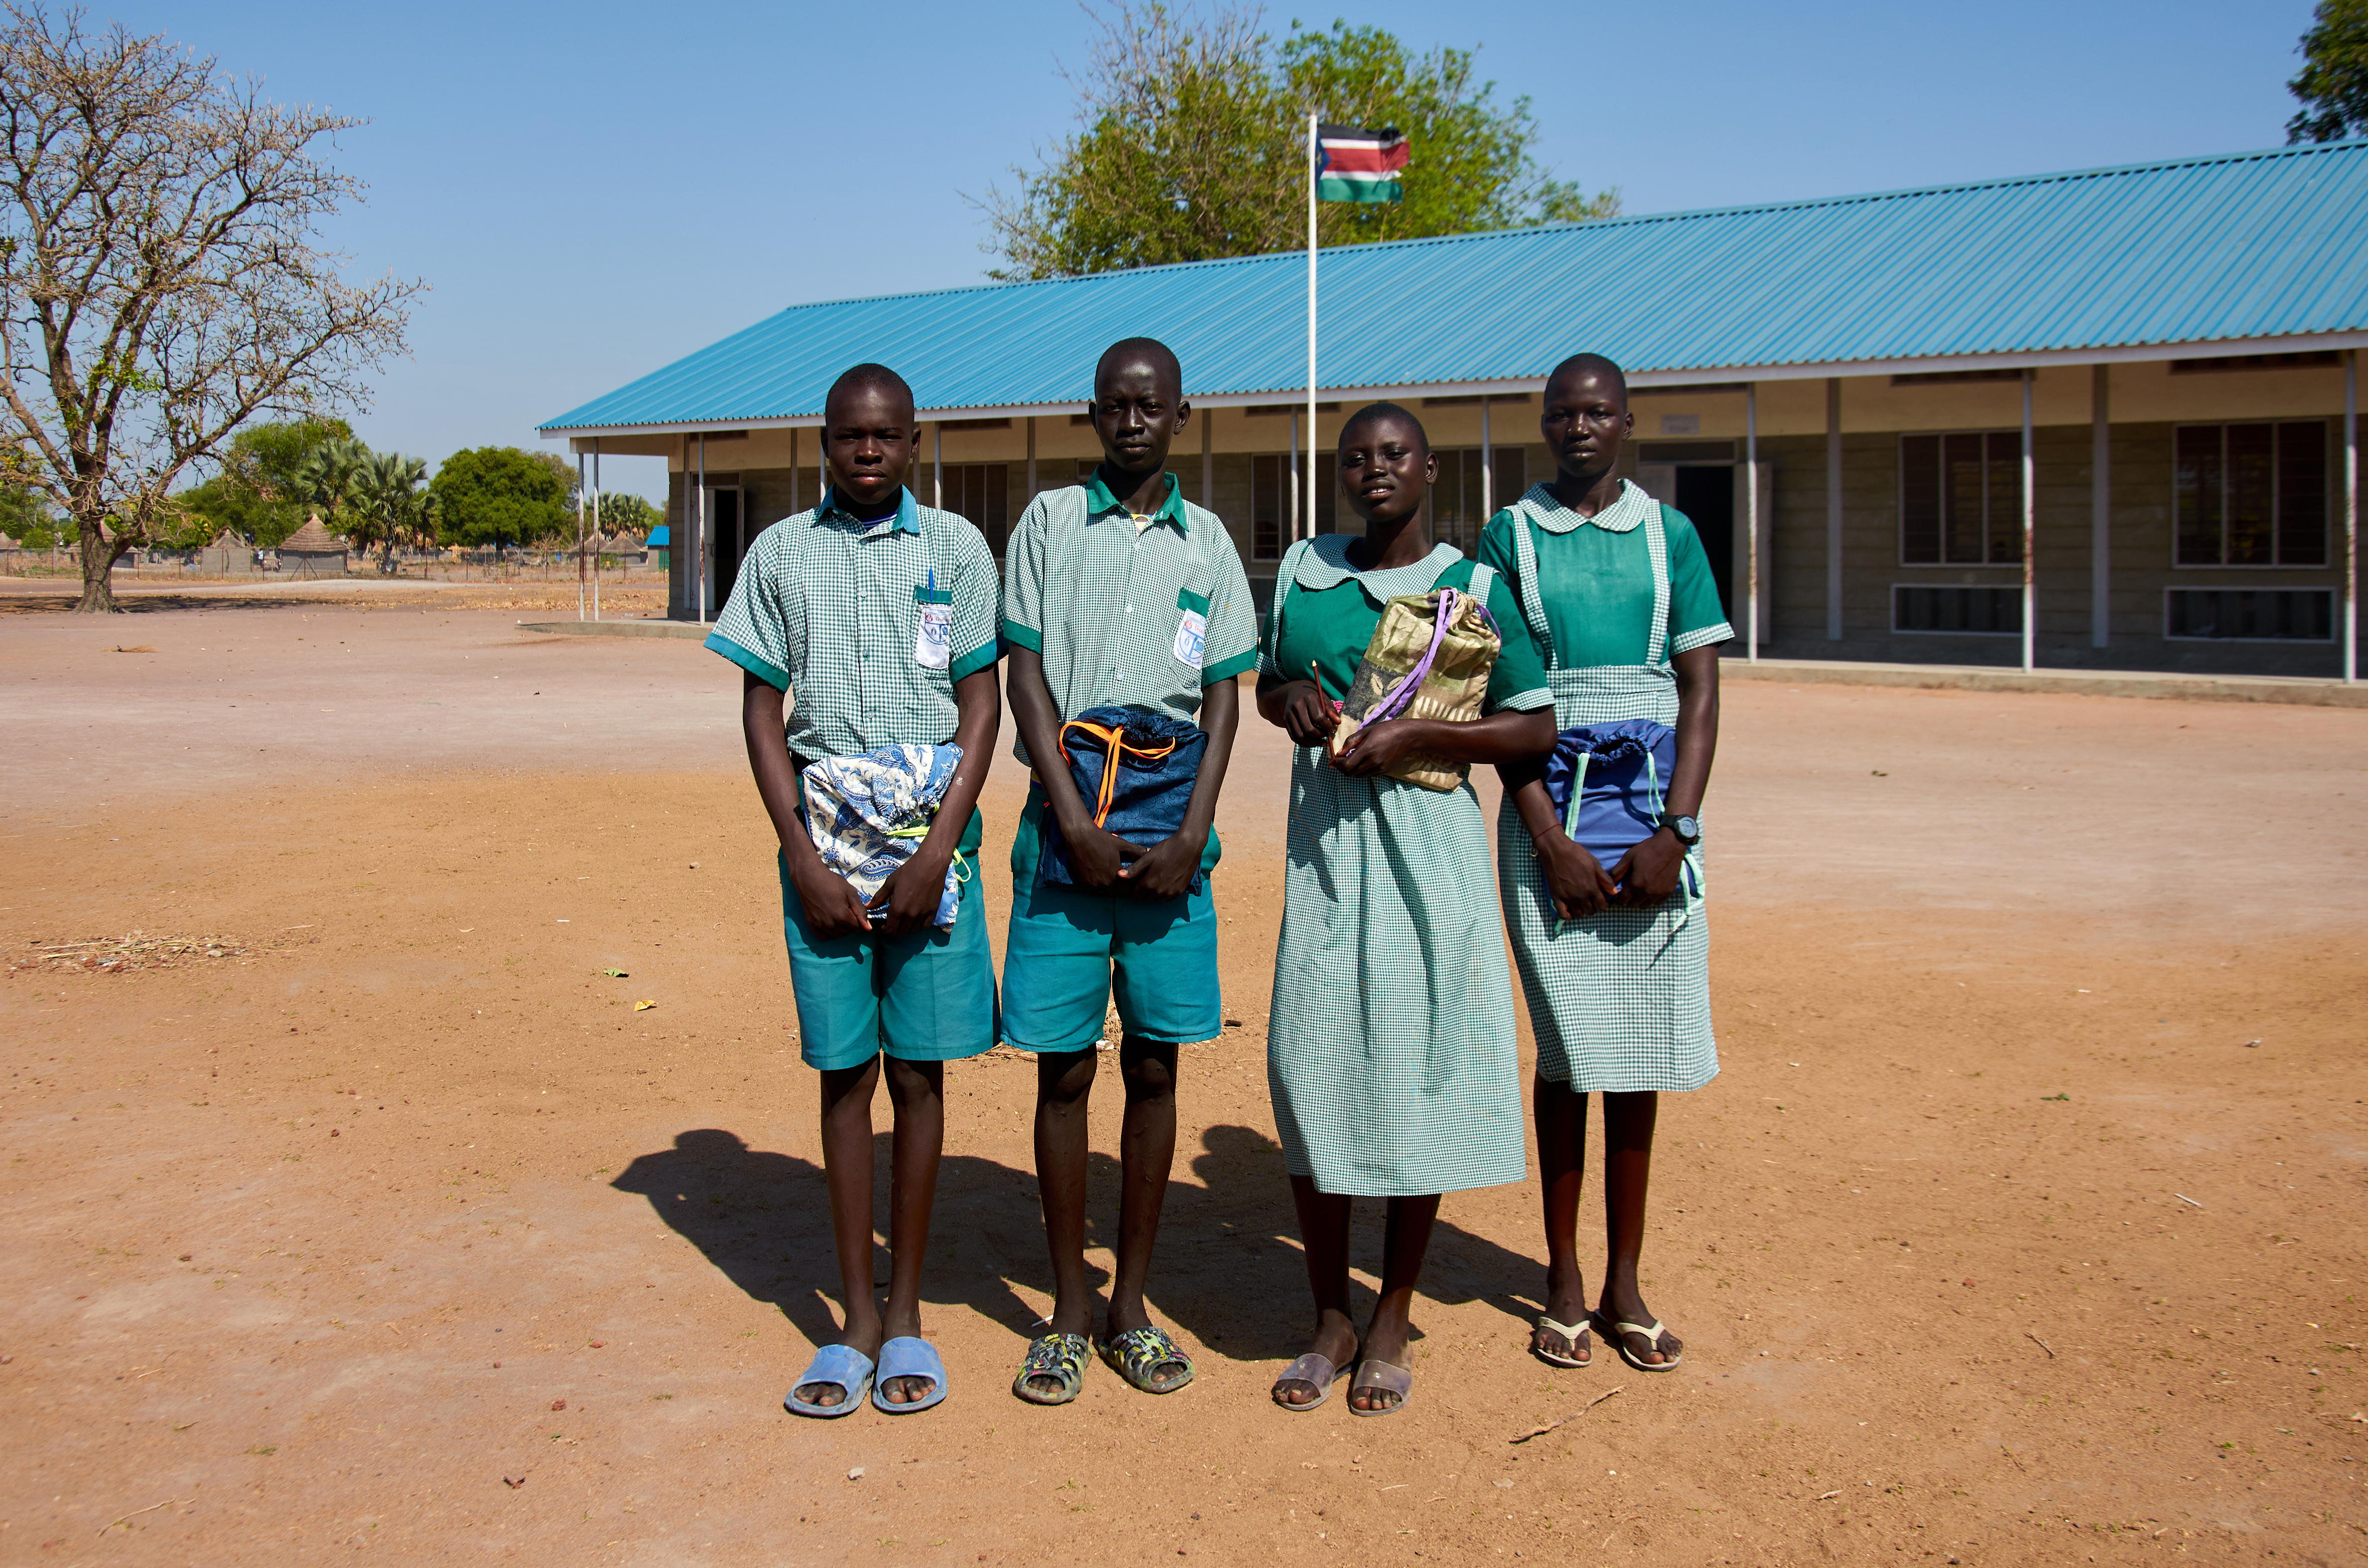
[1608, 782]
[1143, 798]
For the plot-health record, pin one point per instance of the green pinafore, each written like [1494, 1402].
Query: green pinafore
[1619, 1002]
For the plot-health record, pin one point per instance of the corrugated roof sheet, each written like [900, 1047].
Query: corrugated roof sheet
[2248, 245]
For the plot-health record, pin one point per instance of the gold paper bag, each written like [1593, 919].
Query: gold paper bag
[1452, 688]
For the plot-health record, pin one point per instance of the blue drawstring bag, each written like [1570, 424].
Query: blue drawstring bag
[1608, 782]
[1142, 797]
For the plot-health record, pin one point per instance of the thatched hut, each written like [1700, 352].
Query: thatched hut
[226, 555]
[313, 552]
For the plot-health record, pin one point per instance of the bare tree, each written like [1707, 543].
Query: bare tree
[160, 282]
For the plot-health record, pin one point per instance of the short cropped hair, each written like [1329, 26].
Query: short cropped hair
[868, 376]
[1141, 351]
[1582, 364]
[1374, 411]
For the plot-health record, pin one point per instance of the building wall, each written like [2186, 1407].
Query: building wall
[2148, 401]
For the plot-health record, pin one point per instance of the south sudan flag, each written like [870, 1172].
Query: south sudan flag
[1360, 166]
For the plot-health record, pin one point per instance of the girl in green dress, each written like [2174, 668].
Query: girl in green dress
[1391, 1049]
[1615, 959]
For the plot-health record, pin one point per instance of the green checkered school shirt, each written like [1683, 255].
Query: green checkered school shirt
[1146, 617]
[831, 609]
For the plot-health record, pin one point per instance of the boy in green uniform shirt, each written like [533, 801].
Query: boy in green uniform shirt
[1117, 592]
[880, 613]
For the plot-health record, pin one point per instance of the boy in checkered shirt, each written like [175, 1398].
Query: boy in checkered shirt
[880, 613]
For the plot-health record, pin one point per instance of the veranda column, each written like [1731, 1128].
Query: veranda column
[1833, 508]
[2100, 507]
[2351, 516]
[2030, 514]
[1031, 459]
[937, 465]
[1751, 518]
[1488, 473]
[1208, 460]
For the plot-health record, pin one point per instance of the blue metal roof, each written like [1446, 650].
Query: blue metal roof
[2244, 246]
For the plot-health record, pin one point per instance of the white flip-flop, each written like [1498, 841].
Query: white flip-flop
[1619, 1337]
[1574, 1332]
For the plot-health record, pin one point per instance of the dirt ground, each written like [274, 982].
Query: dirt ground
[2024, 1224]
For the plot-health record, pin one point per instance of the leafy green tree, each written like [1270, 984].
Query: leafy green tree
[624, 512]
[25, 511]
[2333, 85]
[258, 493]
[1194, 147]
[386, 504]
[501, 496]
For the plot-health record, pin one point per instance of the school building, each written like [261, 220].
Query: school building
[2122, 397]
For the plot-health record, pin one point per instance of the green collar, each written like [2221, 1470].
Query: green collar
[907, 518]
[1099, 501]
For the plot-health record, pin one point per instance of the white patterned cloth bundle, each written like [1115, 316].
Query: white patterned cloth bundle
[868, 814]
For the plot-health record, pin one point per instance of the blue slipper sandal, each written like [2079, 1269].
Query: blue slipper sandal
[906, 1357]
[843, 1367]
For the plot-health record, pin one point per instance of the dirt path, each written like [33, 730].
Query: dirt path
[1996, 1240]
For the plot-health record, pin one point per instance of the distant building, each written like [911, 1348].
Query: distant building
[662, 537]
[2179, 339]
[313, 552]
[226, 556]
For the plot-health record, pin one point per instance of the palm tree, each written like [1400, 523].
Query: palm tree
[326, 478]
[389, 503]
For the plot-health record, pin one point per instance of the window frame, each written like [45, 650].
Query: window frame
[1904, 562]
[2334, 619]
[1899, 631]
[2329, 487]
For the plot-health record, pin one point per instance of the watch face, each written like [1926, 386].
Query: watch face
[1687, 828]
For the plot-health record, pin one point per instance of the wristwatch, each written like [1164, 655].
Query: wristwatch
[1687, 830]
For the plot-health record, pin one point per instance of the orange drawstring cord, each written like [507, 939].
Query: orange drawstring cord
[1115, 739]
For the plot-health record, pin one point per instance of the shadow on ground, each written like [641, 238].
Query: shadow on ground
[1228, 1271]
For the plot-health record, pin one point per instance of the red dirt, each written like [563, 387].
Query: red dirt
[433, 1174]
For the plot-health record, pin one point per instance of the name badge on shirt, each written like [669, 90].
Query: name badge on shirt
[933, 629]
[1191, 627]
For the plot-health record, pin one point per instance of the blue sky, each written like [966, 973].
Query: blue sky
[593, 190]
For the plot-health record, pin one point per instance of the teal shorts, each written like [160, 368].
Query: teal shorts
[1065, 943]
[927, 996]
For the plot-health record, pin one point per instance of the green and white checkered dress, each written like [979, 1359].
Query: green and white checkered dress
[1392, 1051]
[1619, 1002]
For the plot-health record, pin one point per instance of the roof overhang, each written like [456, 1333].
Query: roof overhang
[1717, 378]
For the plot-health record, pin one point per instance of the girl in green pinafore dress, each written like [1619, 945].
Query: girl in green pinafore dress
[1615, 959]
[1390, 1048]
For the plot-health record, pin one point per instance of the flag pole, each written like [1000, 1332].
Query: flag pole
[1311, 326]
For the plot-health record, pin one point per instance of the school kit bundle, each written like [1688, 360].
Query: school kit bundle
[1608, 784]
[868, 814]
[1430, 658]
[1134, 768]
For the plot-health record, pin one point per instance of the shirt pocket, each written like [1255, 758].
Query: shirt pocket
[933, 626]
[1191, 627]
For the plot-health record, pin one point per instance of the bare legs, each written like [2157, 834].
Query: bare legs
[916, 1094]
[1324, 1229]
[1146, 1145]
[1628, 1122]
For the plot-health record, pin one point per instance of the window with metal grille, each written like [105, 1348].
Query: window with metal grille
[1456, 515]
[1950, 607]
[2249, 614]
[2250, 495]
[1961, 498]
[982, 492]
[1269, 505]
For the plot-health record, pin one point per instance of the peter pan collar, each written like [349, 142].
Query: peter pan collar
[1622, 517]
[1325, 565]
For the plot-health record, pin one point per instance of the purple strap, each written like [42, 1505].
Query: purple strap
[1401, 695]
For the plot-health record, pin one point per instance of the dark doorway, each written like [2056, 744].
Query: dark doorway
[1706, 495]
[724, 519]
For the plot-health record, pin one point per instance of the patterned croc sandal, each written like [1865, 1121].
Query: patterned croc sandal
[1138, 1353]
[1059, 1356]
